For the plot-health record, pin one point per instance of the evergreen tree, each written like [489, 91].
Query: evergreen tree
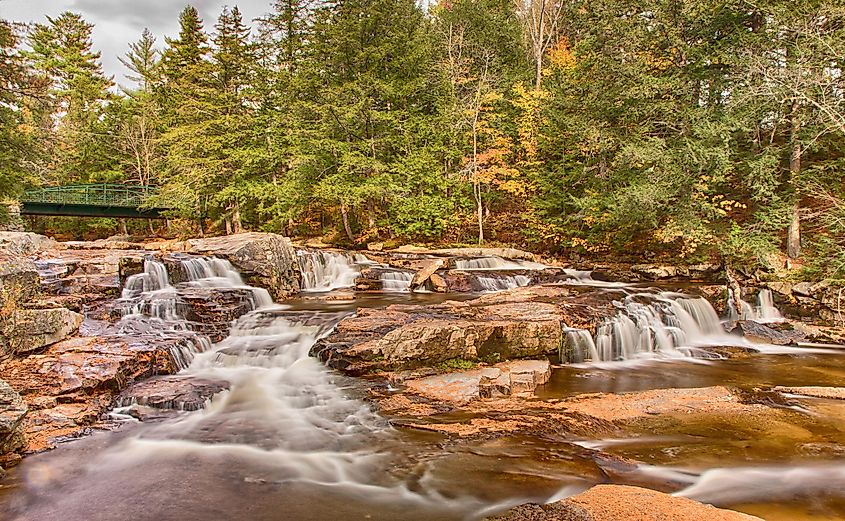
[62, 51]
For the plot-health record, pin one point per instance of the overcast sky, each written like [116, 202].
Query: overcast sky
[119, 22]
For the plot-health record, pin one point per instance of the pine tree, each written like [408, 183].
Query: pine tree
[62, 51]
[373, 107]
[208, 144]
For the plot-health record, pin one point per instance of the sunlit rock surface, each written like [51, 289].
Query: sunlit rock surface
[618, 502]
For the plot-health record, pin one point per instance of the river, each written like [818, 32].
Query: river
[292, 439]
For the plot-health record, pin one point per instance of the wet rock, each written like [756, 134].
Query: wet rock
[834, 393]
[128, 266]
[705, 272]
[762, 333]
[181, 393]
[12, 413]
[265, 260]
[505, 379]
[70, 385]
[425, 273]
[616, 502]
[34, 329]
[522, 323]
[212, 310]
[438, 283]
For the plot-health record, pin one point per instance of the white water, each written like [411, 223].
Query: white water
[503, 282]
[327, 270]
[666, 325]
[396, 281]
[581, 345]
[495, 263]
[585, 278]
[152, 305]
[764, 312]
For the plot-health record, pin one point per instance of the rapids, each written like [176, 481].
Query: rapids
[292, 439]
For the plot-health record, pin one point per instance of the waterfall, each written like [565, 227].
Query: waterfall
[152, 305]
[502, 282]
[396, 281]
[215, 273]
[153, 278]
[765, 311]
[495, 263]
[668, 325]
[327, 270]
[579, 343]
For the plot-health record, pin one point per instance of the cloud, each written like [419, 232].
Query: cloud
[120, 22]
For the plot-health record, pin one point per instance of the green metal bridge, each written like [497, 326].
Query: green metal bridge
[91, 200]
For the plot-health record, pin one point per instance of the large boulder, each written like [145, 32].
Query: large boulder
[34, 329]
[19, 280]
[523, 323]
[24, 244]
[616, 502]
[265, 260]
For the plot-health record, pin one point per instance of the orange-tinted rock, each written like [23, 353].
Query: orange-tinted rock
[619, 502]
[73, 382]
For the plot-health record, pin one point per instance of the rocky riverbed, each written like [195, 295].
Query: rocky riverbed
[462, 382]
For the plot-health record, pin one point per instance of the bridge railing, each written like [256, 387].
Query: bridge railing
[113, 195]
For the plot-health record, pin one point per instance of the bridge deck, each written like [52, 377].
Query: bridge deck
[91, 200]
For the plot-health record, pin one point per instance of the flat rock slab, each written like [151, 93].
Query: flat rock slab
[620, 502]
[594, 415]
[176, 392]
[520, 323]
[769, 334]
[504, 379]
[834, 393]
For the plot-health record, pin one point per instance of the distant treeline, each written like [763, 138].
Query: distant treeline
[698, 129]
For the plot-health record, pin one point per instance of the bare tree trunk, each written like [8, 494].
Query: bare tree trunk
[121, 223]
[345, 214]
[538, 72]
[151, 227]
[236, 218]
[227, 219]
[793, 233]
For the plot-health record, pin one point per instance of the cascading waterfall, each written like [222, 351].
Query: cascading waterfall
[503, 282]
[153, 278]
[495, 264]
[396, 281]
[152, 305]
[579, 345]
[765, 311]
[667, 325]
[214, 273]
[327, 270]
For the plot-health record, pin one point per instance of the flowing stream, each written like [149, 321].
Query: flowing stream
[291, 439]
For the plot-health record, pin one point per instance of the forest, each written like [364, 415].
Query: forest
[701, 130]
